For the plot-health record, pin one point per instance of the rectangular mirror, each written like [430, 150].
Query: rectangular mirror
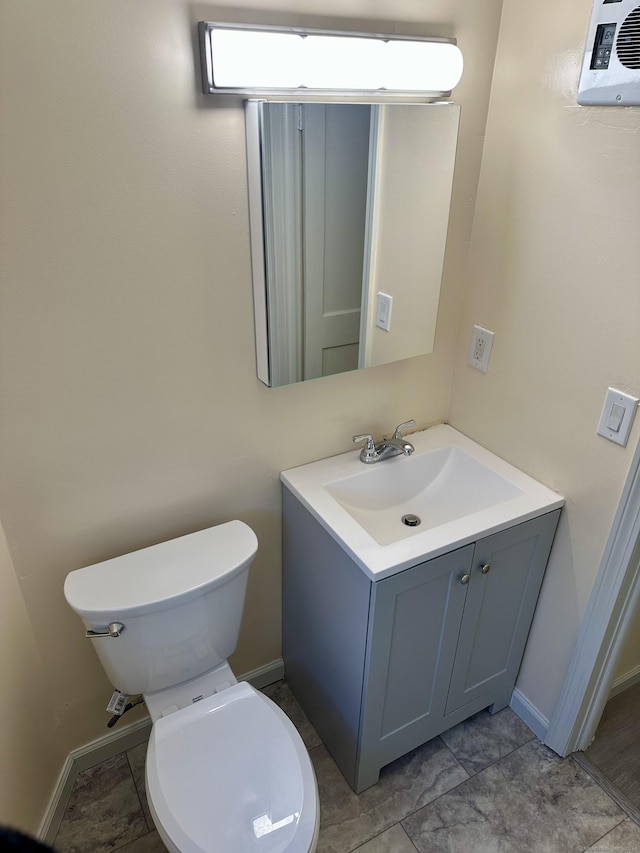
[349, 209]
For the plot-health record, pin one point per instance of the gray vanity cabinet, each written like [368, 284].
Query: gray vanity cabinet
[381, 667]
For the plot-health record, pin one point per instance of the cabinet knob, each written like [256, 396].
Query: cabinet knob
[485, 569]
[465, 579]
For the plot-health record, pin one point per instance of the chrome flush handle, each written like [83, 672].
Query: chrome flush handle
[113, 630]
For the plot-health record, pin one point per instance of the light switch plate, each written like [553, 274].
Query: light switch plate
[610, 416]
[383, 311]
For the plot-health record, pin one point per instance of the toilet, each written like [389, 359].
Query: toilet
[226, 769]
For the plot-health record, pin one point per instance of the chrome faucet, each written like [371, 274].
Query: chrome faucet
[388, 447]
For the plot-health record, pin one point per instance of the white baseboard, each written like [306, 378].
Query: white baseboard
[112, 744]
[264, 675]
[623, 682]
[81, 759]
[529, 714]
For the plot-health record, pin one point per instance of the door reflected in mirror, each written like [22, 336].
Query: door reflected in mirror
[349, 208]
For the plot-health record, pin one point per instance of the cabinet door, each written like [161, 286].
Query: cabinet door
[413, 631]
[499, 607]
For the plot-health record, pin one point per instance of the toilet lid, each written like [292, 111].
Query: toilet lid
[230, 773]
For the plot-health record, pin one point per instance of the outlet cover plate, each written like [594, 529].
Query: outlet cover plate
[481, 343]
[612, 416]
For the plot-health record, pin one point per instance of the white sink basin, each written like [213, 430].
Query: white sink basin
[434, 488]
[454, 489]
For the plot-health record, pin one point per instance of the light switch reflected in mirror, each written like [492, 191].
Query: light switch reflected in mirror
[347, 201]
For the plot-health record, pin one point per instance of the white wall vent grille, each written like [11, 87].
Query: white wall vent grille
[611, 66]
[628, 41]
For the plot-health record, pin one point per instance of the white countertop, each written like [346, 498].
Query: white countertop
[309, 484]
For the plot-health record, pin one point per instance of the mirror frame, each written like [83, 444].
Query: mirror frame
[256, 232]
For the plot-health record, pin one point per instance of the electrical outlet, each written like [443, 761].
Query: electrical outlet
[481, 343]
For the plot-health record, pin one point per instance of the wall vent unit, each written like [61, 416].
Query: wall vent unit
[611, 67]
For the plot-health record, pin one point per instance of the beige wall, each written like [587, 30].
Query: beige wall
[31, 753]
[553, 271]
[131, 411]
[414, 173]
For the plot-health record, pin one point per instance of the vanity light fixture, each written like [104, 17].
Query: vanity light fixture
[241, 59]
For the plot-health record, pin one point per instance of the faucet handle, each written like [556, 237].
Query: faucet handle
[369, 450]
[370, 445]
[403, 426]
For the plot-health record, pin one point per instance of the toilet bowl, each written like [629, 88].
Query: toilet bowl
[253, 788]
[226, 769]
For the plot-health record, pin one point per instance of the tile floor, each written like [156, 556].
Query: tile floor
[486, 786]
[616, 749]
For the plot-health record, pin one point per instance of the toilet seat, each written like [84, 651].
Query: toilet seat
[230, 773]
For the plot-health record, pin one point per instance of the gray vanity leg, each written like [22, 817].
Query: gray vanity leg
[502, 699]
[366, 777]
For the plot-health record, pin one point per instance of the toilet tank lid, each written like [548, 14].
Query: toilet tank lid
[157, 577]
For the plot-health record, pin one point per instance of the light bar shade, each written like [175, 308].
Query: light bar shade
[237, 58]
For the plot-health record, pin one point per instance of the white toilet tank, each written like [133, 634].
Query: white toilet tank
[180, 603]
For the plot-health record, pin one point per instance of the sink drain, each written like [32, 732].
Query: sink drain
[411, 520]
